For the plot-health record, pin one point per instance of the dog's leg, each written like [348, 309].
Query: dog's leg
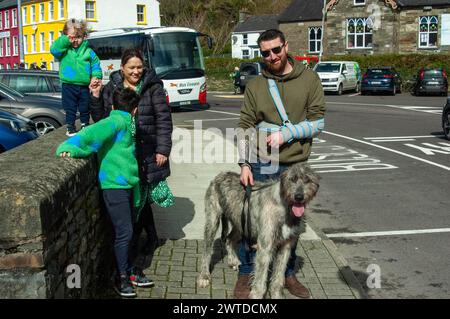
[213, 212]
[262, 261]
[232, 245]
[278, 270]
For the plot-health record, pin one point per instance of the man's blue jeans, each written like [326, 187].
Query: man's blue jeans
[247, 257]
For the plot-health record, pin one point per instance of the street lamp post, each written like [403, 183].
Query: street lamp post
[324, 13]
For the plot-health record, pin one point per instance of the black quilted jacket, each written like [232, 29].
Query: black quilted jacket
[153, 122]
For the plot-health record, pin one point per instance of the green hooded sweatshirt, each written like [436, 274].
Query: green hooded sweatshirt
[303, 98]
[112, 139]
[77, 65]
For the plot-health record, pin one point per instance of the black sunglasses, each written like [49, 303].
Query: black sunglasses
[276, 50]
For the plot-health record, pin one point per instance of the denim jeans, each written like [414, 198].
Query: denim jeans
[75, 98]
[247, 257]
[118, 203]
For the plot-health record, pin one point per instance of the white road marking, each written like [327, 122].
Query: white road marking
[390, 233]
[394, 140]
[402, 137]
[230, 96]
[355, 94]
[221, 112]
[390, 150]
[416, 108]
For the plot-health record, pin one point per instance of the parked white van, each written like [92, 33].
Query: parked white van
[339, 76]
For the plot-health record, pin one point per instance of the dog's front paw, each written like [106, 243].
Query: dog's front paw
[203, 280]
[233, 262]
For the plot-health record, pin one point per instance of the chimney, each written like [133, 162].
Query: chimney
[243, 15]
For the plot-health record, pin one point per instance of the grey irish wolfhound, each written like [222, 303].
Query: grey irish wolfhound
[276, 208]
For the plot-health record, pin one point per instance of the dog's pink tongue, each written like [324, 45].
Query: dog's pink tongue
[298, 210]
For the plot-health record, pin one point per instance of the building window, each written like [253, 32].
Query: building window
[7, 19]
[51, 38]
[15, 46]
[359, 2]
[14, 18]
[245, 54]
[428, 32]
[51, 10]
[33, 43]
[61, 9]
[25, 44]
[1, 47]
[141, 14]
[359, 33]
[42, 43]
[7, 46]
[245, 39]
[315, 39]
[33, 14]
[90, 10]
[1, 21]
[41, 12]
[25, 15]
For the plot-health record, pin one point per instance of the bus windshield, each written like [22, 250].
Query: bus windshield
[177, 55]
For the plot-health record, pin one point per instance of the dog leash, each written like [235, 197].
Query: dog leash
[246, 220]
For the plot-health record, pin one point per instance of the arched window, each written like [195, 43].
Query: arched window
[428, 31]
[359, 33]
[315, 39]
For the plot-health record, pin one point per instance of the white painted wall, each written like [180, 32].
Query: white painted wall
[238, 46]
[116, 13]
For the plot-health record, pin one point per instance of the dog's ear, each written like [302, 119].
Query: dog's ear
[313, 177]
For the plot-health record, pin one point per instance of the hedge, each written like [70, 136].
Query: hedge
[218, 69]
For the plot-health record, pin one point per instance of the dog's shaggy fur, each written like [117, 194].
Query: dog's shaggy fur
[275, 227]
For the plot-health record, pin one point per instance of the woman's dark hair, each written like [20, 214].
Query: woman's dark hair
[271, 34]
[125, 99]
[131, 53]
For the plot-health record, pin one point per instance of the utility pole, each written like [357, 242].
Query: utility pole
[324, 13]
[19, 18]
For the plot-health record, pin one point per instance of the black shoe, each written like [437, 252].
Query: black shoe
[138, 279]
[71, 130]
[124, 287]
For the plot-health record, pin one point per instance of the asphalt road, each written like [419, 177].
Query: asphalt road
[384, 197]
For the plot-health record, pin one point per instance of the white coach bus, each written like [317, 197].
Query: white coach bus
[174, 53]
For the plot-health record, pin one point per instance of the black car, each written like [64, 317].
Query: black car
[35, 82]
[446, 119]
[382, 79]
[430, 81]
[248, 71]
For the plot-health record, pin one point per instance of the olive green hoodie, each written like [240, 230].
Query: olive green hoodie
[303, 98]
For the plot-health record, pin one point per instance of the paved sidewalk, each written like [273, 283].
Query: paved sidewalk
[175, 264]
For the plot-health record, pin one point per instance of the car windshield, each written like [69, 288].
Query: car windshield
[433, 74]
[378, 71]
[328, 67]
[11, 92]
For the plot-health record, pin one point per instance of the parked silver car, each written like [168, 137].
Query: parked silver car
[35, 82]
[47, 112]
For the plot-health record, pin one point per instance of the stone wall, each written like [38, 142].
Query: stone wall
[408, 35]
[336, 28]
[297, 35]
[50, 218]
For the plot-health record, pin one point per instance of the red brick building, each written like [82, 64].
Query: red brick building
[9, 35]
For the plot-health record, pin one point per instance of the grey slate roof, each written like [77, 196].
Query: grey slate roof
[8, 3]
[302, 10]
[257, 23]
[415, 3]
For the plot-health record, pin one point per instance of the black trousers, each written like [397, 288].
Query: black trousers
[145, 223]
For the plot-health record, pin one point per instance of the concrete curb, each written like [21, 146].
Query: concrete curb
[341, 262]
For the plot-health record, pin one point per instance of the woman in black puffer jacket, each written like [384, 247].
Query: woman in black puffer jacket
[153, 125]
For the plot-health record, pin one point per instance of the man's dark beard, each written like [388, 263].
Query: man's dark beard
[277, 70]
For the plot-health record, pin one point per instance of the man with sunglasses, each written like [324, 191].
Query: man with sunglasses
[302, 96]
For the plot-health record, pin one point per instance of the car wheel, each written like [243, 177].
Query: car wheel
[45, 125]
[446, 123]
[340, 89]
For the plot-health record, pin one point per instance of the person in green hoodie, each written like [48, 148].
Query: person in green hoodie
[79, 68]
[302, 95]
[113, 140]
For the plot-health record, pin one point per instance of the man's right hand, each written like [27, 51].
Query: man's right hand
[246, 175]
